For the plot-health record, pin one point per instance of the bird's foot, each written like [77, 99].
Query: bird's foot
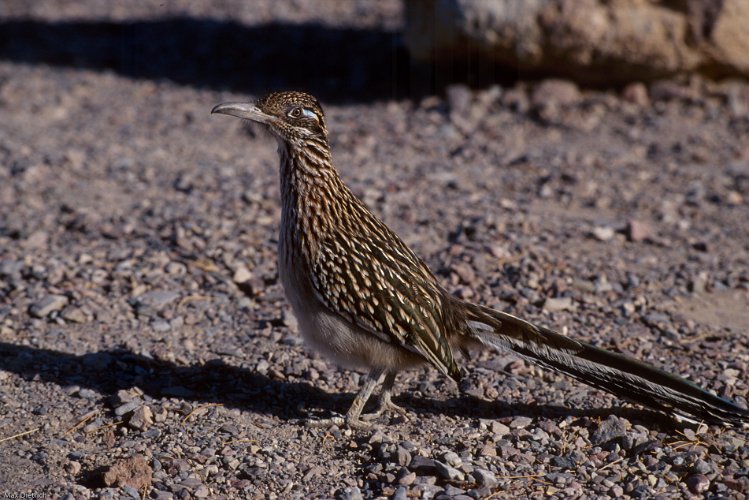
[385, 404]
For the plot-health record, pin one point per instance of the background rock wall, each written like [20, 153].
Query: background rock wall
[591, 41]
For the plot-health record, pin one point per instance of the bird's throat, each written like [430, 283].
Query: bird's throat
[313, 196]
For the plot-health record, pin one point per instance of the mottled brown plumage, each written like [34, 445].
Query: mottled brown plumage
[364, 298]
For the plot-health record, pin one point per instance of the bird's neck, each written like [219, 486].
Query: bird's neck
[313, 195]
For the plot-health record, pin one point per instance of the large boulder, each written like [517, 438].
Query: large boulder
[591, 41]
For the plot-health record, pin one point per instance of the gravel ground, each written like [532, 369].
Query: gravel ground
[145, 345]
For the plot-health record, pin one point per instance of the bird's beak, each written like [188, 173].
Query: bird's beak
[244, 110]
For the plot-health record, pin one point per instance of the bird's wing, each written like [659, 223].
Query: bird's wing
[377, 283]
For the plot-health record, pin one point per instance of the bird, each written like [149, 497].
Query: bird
[363, 298]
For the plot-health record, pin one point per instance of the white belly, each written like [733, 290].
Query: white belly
[347, 344]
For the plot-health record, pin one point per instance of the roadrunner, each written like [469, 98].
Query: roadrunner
[365, 299]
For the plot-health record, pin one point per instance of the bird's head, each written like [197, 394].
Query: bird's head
[293, 117]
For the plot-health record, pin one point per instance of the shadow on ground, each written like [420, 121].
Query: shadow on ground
[337, 64]
[216, 382]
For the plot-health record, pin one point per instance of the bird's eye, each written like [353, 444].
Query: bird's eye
[295, 112]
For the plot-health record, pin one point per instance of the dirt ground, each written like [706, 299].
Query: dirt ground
[146, 347]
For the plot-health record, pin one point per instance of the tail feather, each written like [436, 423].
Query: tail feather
[616, 373]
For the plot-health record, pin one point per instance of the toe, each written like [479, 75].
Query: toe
[358, 424]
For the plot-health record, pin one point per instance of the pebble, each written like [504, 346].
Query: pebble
[636, 93]
[429, 490]
[131, 492]
[10, 268]
[610, 429]
[453, 491]
[448, 472]
[452, 458]
[616, 491]
[150, 303]
[73, 468]
[142, 418]
[520, 422]
[702, 467]
[422, 465]
[407, 479]
[160, 326]
[202, 491]
[638, 231]
[350, 493]
[499, 429]
[553, 91]
[697, 483]
[604, 233]
[401, 493]
[403, 457]
[488, 450]
[558, 304]
[74, 315]
[241, 275]
[484, 477]
[48, 305]
[127, 407]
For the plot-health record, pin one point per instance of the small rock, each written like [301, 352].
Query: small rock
[422, 465]
[11, 268]
[377, 436]
[484, 477]
[131, 492]
[702, 467]
[403, 457]
[127, 407]
[448, 472]
[73, 468]
[202, 491]
[401, 493]
[699, 283]
[603, 233]
[428, 490]
[74, 315]
[636, 93]
[453, 491]
[142, 418]
[160, 326]
[500, 429]
[558, 304]
[407, 479]
[521, 422]
[127, 395]
[488, 450]
[638, 231]
[698, 483]
[88, 394]
[350, 493]
[555, 92]
[734, 198]
[610, 429]
[149, 303]
[48, 305]
[452, 458]
[242, 274]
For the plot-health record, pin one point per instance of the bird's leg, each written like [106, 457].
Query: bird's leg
[384, 403]
[352, 417]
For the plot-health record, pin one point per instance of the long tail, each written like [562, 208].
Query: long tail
[621, 375]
